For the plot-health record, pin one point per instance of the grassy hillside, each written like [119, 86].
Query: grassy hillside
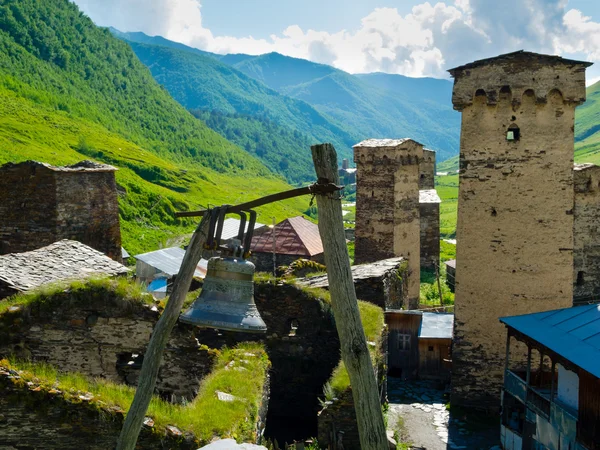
[275, 128]
[70, 90]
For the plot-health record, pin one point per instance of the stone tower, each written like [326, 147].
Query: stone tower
[42, 204]
[515, 213]
[586, 235]
[387, 205]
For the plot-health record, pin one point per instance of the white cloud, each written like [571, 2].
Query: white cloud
[425, 42]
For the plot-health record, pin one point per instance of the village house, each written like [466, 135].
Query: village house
[553, 401]
[156, 269]
[64, 260]
[419, 344]
[289, 240]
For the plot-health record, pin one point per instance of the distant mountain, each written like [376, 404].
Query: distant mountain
[277, 129]
[359, 106]
[70, 91]
[373, 105]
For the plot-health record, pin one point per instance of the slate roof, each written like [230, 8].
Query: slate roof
[294, 236]
[429, 196]
[63, 260]
[231, 227]
[436, 326]
[520, 55]
[366, 271]
[572, 333]
[451, 263]
[168, 260]
[371, 143]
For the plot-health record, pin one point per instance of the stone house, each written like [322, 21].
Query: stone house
[586, 234]
[42, 204]
[289, 240]
[419, 344]
[553, 399]
[61, 261]
[515, 211]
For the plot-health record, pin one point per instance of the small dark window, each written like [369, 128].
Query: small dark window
[430, 348]
[404, 342]
[580, 276]
[293, 327]
[513, 133]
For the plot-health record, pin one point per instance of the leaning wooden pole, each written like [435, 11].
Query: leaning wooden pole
[160, 336]
[355, 353]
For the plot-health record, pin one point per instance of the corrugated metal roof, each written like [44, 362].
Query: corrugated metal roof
[436, 326]
[168, 260]
[573, 333]
[124, 253]
[429, 196]
[231, 226]
[63, 260]
[372, 143]
[294, 236]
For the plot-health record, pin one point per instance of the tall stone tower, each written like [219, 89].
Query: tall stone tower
[387, 205]
[43, 204]
[515, 207]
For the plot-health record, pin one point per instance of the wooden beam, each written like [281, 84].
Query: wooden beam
[353, 343]
[160, 336]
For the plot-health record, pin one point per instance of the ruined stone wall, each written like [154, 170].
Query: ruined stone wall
[43, 204]
[35, 419]
[387, 205]
[96, 333]
[430, 235]
[586, 234]
[515, 214]
[427, 170]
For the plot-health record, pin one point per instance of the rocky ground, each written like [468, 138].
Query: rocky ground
[420, 410]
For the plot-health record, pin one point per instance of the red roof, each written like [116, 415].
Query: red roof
[294, 236]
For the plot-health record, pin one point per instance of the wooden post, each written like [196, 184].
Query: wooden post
[160, 335]
[355, 353]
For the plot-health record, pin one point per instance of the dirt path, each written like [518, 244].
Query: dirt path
[426, 423]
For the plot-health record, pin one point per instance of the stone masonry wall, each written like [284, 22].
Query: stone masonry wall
[586, 234]
[515, 215]
[387, 204]
[427, 170]
[44, 204]
[430, 235]
[35, 419]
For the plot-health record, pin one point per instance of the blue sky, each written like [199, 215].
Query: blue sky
[414, 38]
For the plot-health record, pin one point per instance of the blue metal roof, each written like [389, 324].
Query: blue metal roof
[573, 333]
[436, 326]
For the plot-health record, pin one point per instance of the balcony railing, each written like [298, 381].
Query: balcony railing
[538, 402]
[515, 385]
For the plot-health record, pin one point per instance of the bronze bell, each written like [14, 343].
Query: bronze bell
[227, 298]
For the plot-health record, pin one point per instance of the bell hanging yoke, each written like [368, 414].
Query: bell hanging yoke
[227, 298]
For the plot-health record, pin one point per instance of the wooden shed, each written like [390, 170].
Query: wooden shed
[419, 344]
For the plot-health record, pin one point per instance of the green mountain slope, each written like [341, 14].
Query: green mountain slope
[373, 105]
[275, 128]
[70, 90]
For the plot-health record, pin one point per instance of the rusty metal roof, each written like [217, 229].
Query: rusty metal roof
[293, 236]
[63, 260]
[573, 333]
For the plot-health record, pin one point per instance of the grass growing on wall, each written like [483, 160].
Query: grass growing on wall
[372, 320]
[205, 416]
